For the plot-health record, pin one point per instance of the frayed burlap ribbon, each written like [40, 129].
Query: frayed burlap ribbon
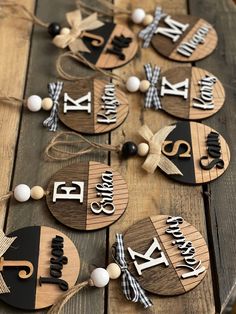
[155, 157]
[5, 243]
[78, 26]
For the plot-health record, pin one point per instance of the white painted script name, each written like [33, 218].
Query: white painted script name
[108, 112]
[105, 191]
[186, 248]
[187, 48]
[205, 101]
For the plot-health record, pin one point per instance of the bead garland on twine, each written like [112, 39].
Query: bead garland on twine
[22, 193]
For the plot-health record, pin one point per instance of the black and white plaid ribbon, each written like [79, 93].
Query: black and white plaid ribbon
[147, 33]
[130, 286]
[54, 91]
[152, 100]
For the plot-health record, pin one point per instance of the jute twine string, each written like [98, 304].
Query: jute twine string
[6, 196]
[112, 9]
[80, 58]
[57, 307]
[5, 98]
[22, 12]
[57, 149]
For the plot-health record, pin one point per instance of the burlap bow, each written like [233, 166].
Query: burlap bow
[5, 243]
[155, 157]
[78, 26]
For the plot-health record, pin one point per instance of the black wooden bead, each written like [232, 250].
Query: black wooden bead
[129, 149]
[54, 29]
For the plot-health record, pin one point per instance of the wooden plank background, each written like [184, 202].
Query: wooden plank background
[27, 63]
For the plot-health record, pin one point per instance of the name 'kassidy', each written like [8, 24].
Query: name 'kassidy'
[185, 247]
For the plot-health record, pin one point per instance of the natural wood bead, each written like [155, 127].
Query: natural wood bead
[143, 149]
[37, 192]
[114, 271]
[144, 86]
[47, 103]
[148, 19]
[65, 31]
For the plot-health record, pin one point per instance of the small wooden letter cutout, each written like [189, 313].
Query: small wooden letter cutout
[98, 199]
[184, 38]
[166, 254]
[191, 152]
[190, 93]
[41, 262]
[92, 106]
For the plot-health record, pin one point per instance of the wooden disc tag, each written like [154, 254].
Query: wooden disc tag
[167, 255]
[92, 106]
[87, 196]
[184, 38]
[199, 152]
[51, 262]
[190, 93]
[119, 46]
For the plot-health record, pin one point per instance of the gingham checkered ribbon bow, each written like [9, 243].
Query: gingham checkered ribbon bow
[54, 91]
[130, 286]
[147, 33]
[152, 99]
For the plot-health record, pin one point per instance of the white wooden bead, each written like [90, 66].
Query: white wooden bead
[22, 193]
[138, 16]
[47, 103]
[37, 192]
[34, 103]
[144, 86]
[65, 31]
[133, 84]
[143, 149]
[148, 19]
[100, 277]
[114, 271]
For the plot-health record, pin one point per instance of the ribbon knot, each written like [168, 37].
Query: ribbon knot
[155, 157]
[147, 33]
[130, 286]
[152, 99]
[54, 91]
[78, 27]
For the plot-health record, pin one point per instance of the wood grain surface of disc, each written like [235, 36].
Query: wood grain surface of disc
[100, 56]
[87, 196]
[198, 95]
[184, 38]
[34, 245]
[192, 137]
[92, 106]
[156, 261]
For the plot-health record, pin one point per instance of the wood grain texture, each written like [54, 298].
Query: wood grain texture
[31, 168]
[14, 50]
[162, 279]
[202, 50]
[183, 108]
[155, 194]
[47, 294]
[221, 195]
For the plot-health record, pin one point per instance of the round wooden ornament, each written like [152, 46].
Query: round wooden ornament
[166, 255]
[190, 93]
[51, 262]
[87, 196]
[200, 153]
[184, 38]
[92, 106]
[119, 46]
